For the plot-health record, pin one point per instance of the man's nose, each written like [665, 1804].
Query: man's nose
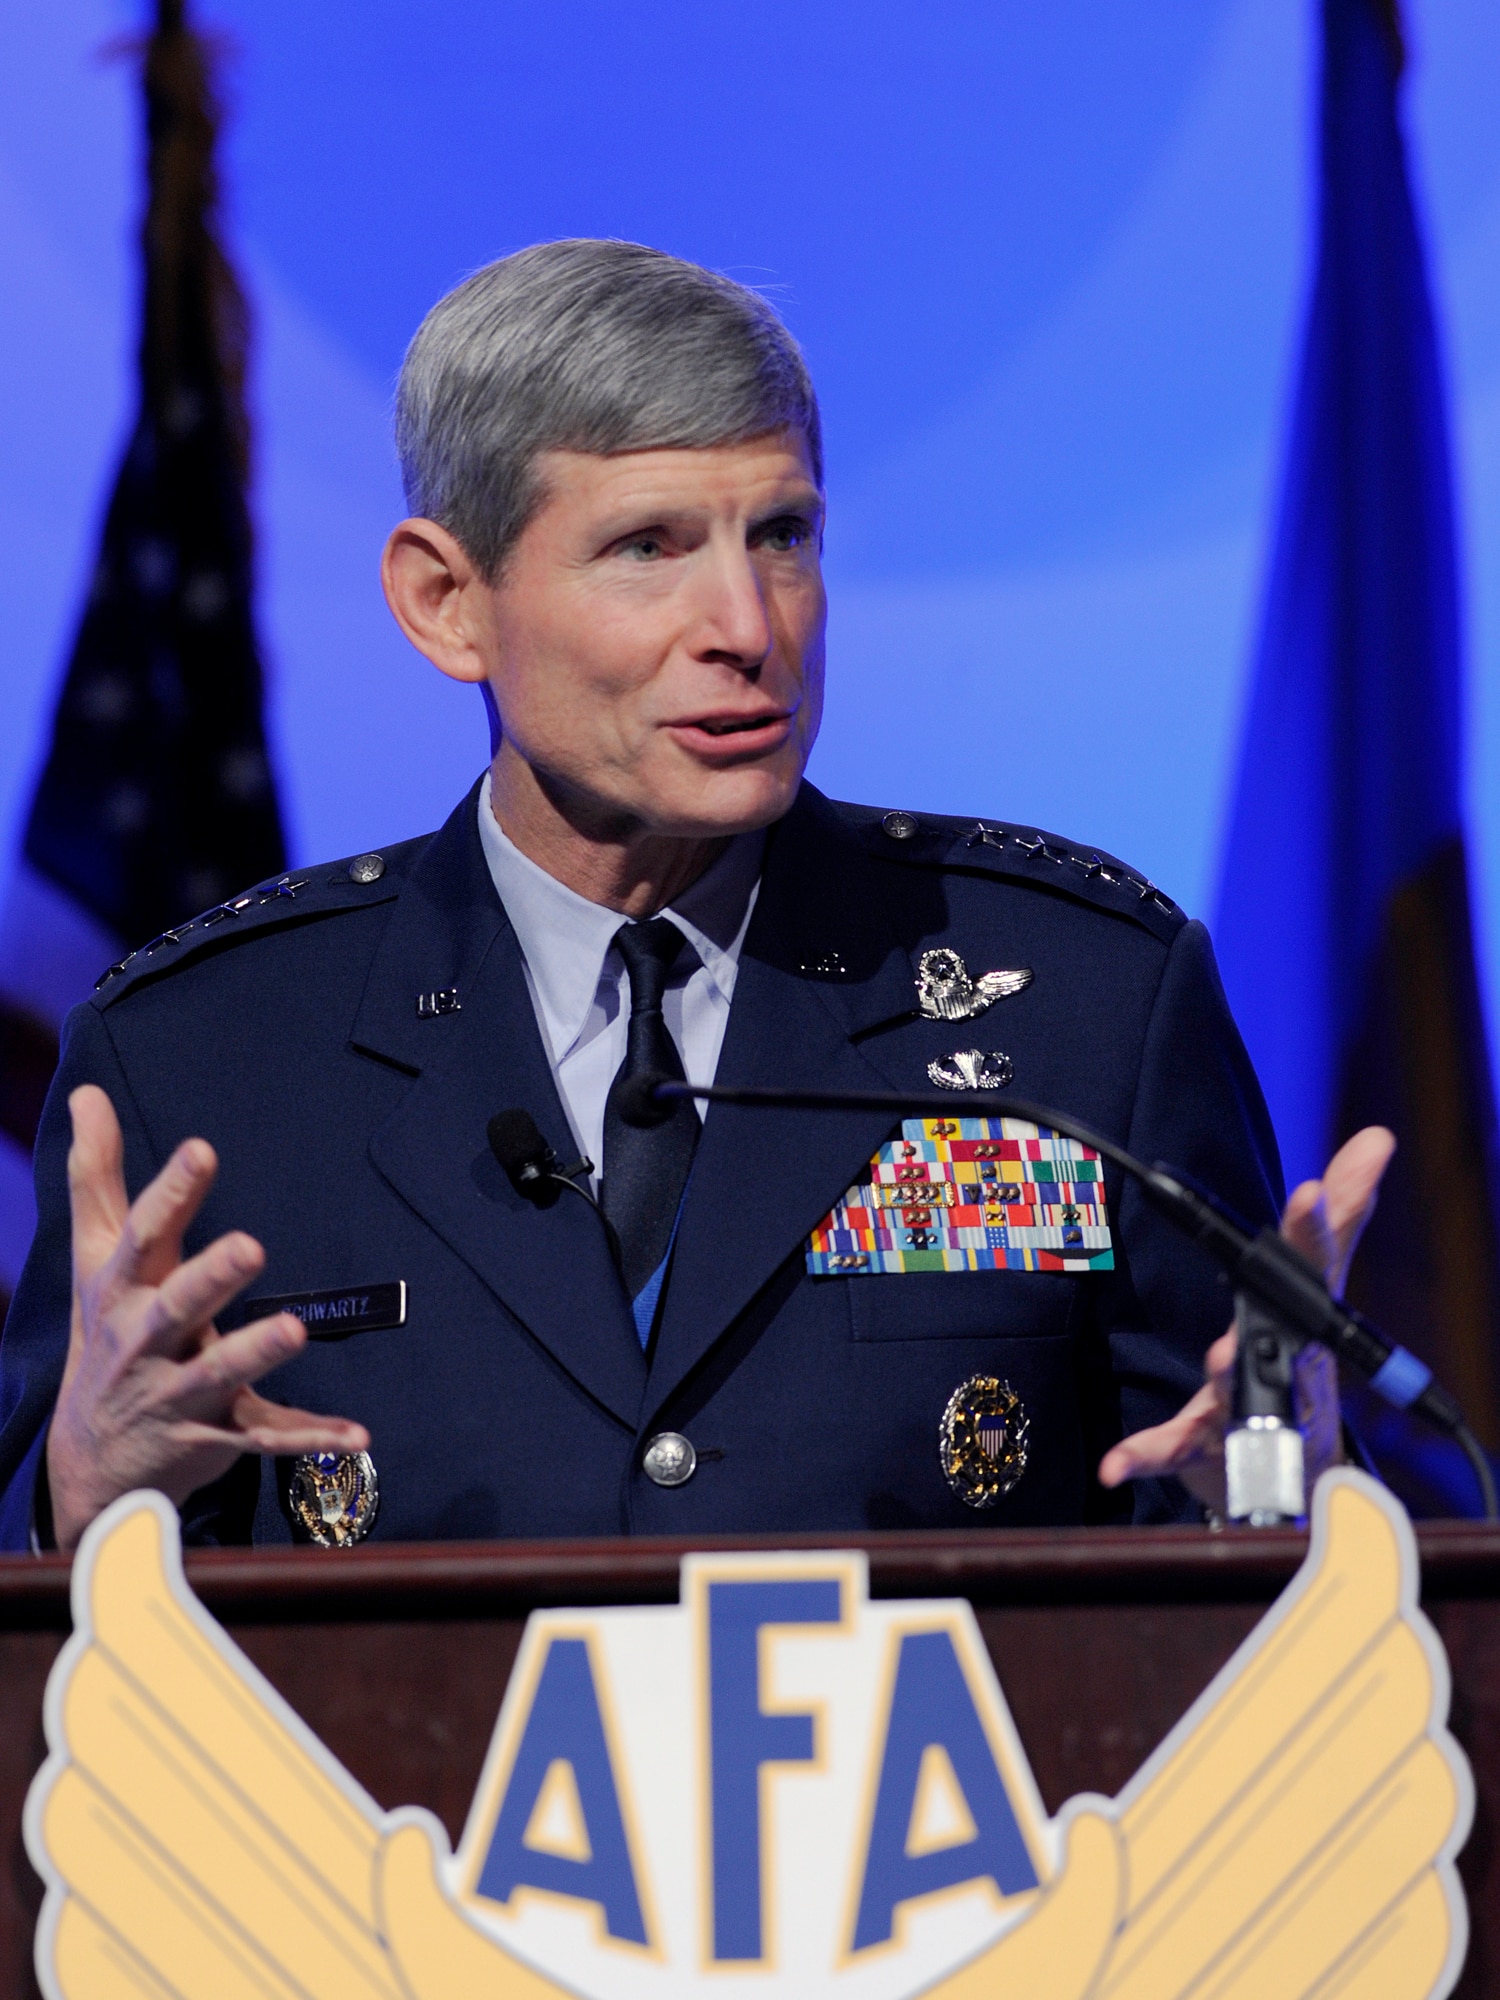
[733, 624]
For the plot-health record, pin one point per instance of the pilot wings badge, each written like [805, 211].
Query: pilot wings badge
[945, 992]
[778, 1786]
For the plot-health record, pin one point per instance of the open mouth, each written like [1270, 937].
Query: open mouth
[721, 741]
[739, 726]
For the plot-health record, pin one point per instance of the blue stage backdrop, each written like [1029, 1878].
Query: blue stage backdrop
[1048, 264]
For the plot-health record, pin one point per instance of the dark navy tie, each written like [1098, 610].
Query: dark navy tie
[646, 1168]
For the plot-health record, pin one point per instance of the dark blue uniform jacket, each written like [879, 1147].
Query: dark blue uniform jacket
[516, 1399]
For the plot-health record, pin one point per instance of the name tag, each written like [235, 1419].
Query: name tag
[969, 1194]
[331, 1315]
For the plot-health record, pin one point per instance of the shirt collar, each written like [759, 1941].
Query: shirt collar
[714, 913]
[565, 939]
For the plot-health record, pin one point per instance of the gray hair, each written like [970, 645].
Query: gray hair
[584, 346]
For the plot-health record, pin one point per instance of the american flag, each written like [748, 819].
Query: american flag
[155, 796]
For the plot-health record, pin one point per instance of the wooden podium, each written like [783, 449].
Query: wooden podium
[398, 1657]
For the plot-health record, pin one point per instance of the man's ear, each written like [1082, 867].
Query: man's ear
[438, 598]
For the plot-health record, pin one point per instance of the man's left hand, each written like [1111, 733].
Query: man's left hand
[1324, 1220]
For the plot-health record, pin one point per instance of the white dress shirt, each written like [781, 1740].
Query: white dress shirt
[578, 983]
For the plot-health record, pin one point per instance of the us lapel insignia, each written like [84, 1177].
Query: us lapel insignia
[982, 1440]
[945, 992]
[334, 1497]
[431, 1005]
[969, 1194]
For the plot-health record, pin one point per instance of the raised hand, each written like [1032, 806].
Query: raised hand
[152, 1394]
[1324, 1220]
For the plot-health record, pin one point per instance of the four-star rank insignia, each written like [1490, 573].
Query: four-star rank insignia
[982, 1440]
[969, 1194]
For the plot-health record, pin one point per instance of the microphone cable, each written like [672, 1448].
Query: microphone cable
[534, 1171]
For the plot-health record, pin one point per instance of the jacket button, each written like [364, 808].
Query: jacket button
[669, 1459]
[899, 825]
[367, 868]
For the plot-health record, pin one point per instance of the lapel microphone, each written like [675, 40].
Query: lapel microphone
[533, 1169]
[1289, 1302]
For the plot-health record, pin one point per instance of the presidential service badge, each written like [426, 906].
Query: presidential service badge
[775, 1787]
[334, 1497]
[982, 1440]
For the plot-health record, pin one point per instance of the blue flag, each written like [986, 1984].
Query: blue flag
[1344, 927]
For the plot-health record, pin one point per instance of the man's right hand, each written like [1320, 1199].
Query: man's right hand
[152, 1394]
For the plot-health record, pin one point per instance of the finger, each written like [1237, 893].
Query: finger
[206, 1385]
[151, 1242]
[179, 1311]
[1305, 1225]
[1351, 1186]
[1218, 1363]
[1162, 1449]
[252, 1423]
[278, 1432]
[290, 1434]
[96, 1179]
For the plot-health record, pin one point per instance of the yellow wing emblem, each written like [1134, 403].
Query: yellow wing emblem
[199, 1843]
[1294, 1836]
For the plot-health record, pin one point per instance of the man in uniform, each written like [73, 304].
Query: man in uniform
[775, 1320]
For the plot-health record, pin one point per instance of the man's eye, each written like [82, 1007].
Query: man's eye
[642, 548]
[783, 536]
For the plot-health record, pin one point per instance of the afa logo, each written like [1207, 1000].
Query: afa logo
[778, 1777]
[775, 1787]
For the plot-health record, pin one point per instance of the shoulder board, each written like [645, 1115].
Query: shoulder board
[300, 893]
[1019, 854]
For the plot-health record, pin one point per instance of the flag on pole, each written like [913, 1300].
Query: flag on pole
[155, 797]
[1344, 921]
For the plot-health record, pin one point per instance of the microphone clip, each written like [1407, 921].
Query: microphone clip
[547, 1167]
[1264, 1471]
[534, 1170]
[529, 1163]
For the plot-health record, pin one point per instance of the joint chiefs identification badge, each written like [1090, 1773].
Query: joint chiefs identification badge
[334, 1497]
[982, 1440]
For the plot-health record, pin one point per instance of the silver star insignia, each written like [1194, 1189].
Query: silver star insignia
[945, 992]
[985, 836]
[285, 886]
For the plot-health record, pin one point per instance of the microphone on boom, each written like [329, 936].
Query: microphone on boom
[1293, 1303]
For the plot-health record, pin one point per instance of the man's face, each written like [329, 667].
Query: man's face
[656, 639]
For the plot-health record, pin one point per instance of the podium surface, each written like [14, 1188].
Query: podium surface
[398, 1656]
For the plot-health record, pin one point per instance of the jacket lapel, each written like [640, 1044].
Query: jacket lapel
[824, 964]
[550, 1267]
